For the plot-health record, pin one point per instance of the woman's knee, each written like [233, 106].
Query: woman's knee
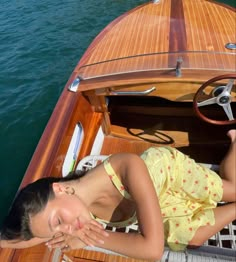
[195, 242]
[229, 191]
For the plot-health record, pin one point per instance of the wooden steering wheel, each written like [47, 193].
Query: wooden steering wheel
[220, 95]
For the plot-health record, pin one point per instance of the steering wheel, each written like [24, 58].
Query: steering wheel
[221, 95]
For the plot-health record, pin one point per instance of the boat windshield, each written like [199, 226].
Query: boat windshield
[202, 60]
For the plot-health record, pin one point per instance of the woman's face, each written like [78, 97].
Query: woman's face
[65, 213]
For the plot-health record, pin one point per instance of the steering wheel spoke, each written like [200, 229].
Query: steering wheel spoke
[210, 101]
[229, 85]
[228, 111]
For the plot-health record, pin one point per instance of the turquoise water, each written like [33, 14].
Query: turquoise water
[40, 44]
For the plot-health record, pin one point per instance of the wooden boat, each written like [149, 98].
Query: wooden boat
[141, 82]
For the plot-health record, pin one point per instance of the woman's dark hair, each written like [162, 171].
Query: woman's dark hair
[29, 201]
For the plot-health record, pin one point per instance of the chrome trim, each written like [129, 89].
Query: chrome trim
[74, 85]
[231, 46]
[178, 67]
[134, 93]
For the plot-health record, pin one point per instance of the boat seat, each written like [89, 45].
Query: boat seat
[220, 247]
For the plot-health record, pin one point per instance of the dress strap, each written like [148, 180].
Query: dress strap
[115, 179]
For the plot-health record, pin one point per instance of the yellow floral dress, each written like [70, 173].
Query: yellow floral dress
[188, 192]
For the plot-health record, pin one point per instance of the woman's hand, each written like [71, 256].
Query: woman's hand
[91, 234]
[65, 242]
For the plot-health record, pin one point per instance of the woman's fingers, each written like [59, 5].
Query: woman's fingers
[95, 223]
[93, 233]
[96, 228]
[58, 240]
[66, 248]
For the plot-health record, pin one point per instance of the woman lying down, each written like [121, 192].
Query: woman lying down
[173, 199]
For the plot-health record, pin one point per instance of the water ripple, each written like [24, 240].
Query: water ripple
[40, 44]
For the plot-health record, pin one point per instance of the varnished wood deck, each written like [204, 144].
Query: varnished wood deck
[196, 31]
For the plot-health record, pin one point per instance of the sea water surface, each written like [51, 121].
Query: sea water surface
[40, 44]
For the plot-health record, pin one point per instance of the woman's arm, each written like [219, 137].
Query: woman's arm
[18, 244]
[149, 244]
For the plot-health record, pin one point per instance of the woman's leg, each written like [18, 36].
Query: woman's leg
[223, 216]
[228, 170]
[227, 213]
